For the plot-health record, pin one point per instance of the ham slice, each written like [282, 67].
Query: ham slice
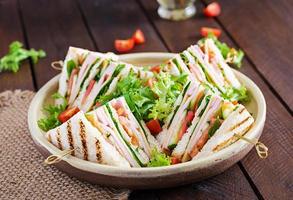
[88, 103]
[237, 122]
[216, 78]
[89, 61]
[212, 108]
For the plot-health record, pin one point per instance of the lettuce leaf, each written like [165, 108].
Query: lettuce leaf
[52, 112]
[161, 109]
[214, 128]
[167, 88]
[234, 94]
[16, 54]
[70, 66]
[159, 159]
[138, 94]
[150, 103]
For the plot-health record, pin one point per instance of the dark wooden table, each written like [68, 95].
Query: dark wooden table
[263, 29]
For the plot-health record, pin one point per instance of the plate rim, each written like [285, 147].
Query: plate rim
[228, 152]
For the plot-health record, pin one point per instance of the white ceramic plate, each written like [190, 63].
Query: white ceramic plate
[144, 178]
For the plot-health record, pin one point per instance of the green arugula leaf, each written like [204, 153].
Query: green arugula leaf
[16, 55]
[52, 111]
[159, 159]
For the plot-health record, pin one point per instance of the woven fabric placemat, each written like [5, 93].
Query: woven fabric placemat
[22, 173]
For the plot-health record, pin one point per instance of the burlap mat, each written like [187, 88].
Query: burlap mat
[22, 174]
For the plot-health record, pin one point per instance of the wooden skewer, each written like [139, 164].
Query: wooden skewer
[261, 149]
[55, 158]
[57, 65]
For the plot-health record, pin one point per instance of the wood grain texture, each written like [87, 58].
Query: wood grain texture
[264, 30]
[53, 26]
[233, 185]
[10, 30]
[110, 20]
[271, 176]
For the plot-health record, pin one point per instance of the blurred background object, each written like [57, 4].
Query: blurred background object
[176, 9]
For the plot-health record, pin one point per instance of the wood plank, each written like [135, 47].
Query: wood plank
[213, 188]
[272, 176]
[53, 26]
[265, 34]
[117, 20]
[10, 31]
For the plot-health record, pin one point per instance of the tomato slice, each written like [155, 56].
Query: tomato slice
[88, 90]
[154, 126]
[175, 160]
[189, 116]
[138, 37]
[124, 45]
[67, 114]
[212, 10]
[156, 69]
[185, 124]
[70, 81]
[150, 82]
[183, 130]
[204, 31]
[235, 102]
[98, 104]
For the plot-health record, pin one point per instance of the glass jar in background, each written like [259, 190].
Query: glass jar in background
[176, 9]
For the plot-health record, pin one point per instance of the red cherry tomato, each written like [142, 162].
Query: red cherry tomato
[184, 125]
[175, 160]
[138, 37]
[156, 69]
[154, 126]
[204, 31]
[88, 90]
[189, 116]
[67, 114]
[124, 45]
[183, 129]
[212, 10]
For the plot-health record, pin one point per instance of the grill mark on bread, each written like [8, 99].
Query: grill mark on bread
[49, 138]
[70, 137]
[241, 111]
[82, 133]
[239, 124]
[98, 151]
[233, 138]
[59, 139]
